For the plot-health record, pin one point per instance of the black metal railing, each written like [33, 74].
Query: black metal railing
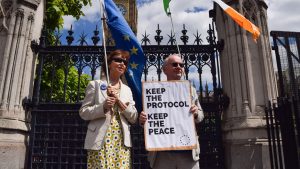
[57, 137]
[210, 137]
[282, 134]
[286, 46]
[283, 122]
[58, 133]
[63, 71]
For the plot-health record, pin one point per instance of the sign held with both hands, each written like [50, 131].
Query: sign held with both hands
[169, 125]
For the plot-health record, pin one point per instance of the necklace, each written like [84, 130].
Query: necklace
[117, 87]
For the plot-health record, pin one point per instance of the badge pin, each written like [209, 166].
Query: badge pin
[103, 87]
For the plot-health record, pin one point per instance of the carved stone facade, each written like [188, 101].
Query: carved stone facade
[248, 79]
[5, 12]
[247, 76]
[129, 10]
[17, 62]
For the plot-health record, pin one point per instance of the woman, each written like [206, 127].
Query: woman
[110, 109]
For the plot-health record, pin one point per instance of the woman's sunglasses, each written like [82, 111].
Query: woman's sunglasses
[120, 60]
[175, 64]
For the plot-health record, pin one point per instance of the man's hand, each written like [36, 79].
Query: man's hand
[194, 111]
[142, 118]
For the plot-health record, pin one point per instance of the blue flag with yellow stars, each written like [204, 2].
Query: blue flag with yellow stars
[125, 39]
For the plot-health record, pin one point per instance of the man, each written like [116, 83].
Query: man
[181, 159]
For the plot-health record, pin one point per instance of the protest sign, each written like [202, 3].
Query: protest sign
[170, 125]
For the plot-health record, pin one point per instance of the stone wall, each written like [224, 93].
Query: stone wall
[248, 79]
[20, 22]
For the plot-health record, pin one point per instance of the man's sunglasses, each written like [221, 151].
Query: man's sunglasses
[120, 60]
[175, 64]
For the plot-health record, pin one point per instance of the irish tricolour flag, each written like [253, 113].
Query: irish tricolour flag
[240, 19]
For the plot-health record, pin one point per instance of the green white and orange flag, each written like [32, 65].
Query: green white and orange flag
[239, 19]
[166, 6]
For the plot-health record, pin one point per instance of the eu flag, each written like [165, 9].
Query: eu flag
[125, 39]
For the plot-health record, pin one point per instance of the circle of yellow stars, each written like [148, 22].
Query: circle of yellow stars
[133, 51]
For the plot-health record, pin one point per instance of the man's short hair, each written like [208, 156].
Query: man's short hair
[167, 59]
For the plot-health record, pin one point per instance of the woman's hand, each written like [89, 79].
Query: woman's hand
[109, 102]
[112, 91]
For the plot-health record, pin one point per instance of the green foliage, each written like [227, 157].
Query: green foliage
[55, 79]
[59, 81]
[56, 76]
[55, 9]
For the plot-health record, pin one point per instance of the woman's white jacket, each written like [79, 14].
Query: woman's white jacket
[93, 111]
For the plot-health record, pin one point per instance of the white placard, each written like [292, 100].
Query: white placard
[170, 125]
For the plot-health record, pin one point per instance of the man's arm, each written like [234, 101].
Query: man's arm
[196, 108]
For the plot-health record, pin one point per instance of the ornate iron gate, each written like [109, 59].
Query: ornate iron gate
[283, 120]
[57, 132]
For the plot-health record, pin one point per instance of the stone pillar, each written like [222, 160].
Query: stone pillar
[17, 62]
[249, 80]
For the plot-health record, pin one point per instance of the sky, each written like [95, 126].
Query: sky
[283, 15]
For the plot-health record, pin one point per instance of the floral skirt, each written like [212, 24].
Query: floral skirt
[113, 154]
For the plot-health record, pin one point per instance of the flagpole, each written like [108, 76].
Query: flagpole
[104, 41]
[173, 30]
[174, 34]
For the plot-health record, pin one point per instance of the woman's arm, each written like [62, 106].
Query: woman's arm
[89, 109]
[130, 112]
